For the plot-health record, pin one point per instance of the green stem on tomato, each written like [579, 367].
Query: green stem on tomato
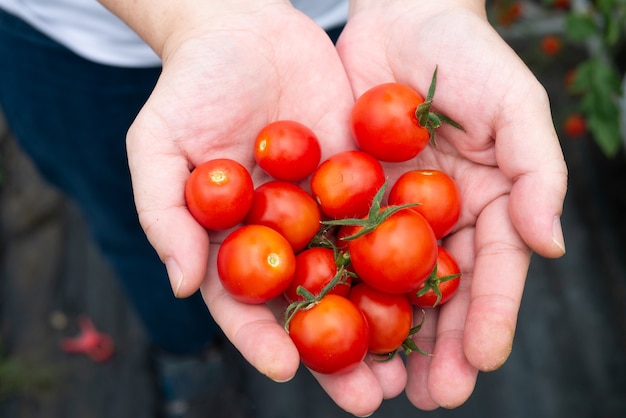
[375, 217]
[433, 282]
[430, 120]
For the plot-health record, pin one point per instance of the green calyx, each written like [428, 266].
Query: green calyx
[430, 120]
[374, 218]
[433, 282]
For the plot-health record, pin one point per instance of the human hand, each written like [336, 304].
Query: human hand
[508, 165]
[223, 80]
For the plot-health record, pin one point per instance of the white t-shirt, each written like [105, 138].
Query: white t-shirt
[91, 31]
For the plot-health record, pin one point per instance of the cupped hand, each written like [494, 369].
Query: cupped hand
[221, 83]
[507, 162]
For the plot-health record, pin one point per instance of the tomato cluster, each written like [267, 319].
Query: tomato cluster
[350, 263]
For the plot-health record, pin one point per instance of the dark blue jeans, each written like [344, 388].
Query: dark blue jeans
[71, 116]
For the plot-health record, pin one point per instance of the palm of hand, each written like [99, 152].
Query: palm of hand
[214, 95]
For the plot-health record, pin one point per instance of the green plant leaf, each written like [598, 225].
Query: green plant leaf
[580, 26]
[606, 134]
[613, 30]
[607, 6]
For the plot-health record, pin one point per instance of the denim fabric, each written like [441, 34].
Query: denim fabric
[71, 116]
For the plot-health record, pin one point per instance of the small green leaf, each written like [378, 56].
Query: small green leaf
[580, 26]
[612, 31]
[606, 134]
[606, 6]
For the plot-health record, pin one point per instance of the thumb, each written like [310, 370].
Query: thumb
[159, 174]
[529, 152]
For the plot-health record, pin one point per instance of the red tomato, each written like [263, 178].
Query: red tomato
[510, 14]
[384, 124]
[255, 264]
[398, 255]
[569, 80]
[446, 279]
[287, 150]
[331, 336]
[219, 193]
[343, 232]
[389, 317]
[288, 209]
[575, 125]
[315, 269]
[436, 194]
[561, 4]
[344, 185]
[551, 45]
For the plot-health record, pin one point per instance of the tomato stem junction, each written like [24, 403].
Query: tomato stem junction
[431, 120]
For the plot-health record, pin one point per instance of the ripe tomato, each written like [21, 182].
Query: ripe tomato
[315, 269]
[331, 336]
[398, 255]
[255, 264]
[509, 14]
[343, 232]
[389, 317]
[384, 124]
[436, 194]
[287, 150]
[561, 4]
[345, 184]
[551, 45]
[446, 279]
[575, 125]
[288, 209]
[219, 193]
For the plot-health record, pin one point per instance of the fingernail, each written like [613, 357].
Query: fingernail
[557, 234]
[175, 274]
[282, 380]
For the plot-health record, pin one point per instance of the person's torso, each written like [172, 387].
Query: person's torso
[91, 31]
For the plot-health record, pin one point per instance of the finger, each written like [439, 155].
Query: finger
[253, 329]
[357, 391]
[501, 265]
[391, 374]
[528, 151]
[418, 364]
[160, 202]
[452, 378]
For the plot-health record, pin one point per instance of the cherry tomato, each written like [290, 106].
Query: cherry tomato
[389, 317]
[398, 255]
[331, 336]
[219, 193]
[344, 185]
[315, 269]
[344, 232]
[575, 125]
[255, 264]
[446, 279]
[561, 4]
[384, 124]
[288, 209]
[287, 150]
[551, 45]
[436, 194]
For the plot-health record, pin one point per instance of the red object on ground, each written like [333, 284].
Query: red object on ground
[94, 344]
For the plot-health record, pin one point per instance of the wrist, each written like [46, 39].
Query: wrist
[163, 23]
[477, 6]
